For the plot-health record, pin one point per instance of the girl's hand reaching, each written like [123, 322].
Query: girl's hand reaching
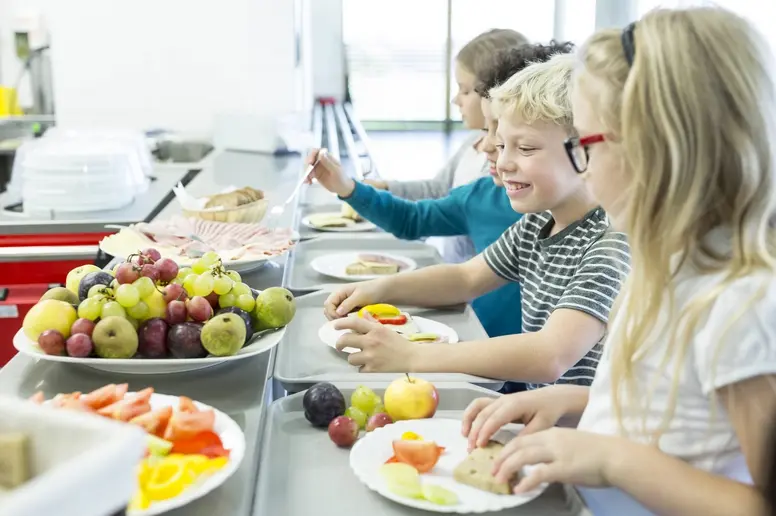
[538, 409]
[329, 174]
[563, 455]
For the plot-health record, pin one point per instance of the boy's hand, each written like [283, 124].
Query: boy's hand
[329, 174]
[538, 409]
[350, 297]
[380, 350]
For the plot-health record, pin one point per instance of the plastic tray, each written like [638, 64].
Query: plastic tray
[300, 278]
[301, 472]
[302, 359]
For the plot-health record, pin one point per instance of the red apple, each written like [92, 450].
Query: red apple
[378, 420]
[410, 398]
[343, 431]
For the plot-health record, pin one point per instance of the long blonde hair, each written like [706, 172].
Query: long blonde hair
[695, 119]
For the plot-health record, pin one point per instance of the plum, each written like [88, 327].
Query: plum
[92, 279]
[245, 316]
[52, 342]
[79, 345]
[152, 338]
[183, 341]
[323, 402]
[343, 431]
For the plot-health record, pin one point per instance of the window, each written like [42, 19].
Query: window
[397, 56]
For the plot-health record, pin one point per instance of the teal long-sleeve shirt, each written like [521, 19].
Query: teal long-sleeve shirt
[479, 209]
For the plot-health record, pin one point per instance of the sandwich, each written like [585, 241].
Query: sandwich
[348, 212]
[476, 470]
[366, 264]
[329, 220]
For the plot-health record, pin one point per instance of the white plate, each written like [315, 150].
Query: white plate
[371, 451]
[334, 265]
[260, 344]
[329, 335]
[355, 228]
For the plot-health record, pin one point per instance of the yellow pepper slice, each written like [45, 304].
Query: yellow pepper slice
[380, 309]
[140, 501]
[411, 436]
[168, 479]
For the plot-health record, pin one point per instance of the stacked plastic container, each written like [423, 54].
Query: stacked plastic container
[81, 171]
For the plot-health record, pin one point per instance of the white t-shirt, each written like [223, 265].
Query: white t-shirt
[700, 432]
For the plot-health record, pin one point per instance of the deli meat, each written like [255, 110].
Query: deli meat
[194, 236]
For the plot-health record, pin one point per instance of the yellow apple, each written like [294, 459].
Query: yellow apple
[49, 314]
[75, 276]
[410, 398]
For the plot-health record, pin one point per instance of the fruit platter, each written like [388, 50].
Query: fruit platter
[185, 240]
[151, 316]
[399, 450]
[191, 448]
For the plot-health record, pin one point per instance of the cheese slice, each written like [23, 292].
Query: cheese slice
[14, 459]
[362, 268]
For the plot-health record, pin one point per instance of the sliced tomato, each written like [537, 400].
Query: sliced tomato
[75, 404]
[102, 397]
[126, 409]
[121, 390]
[185, 425]
[186, 405]
[397, 320]
[204, 443]
[422, 455]
[392, 460]
[61, 399]
[154, 422]
[38, 397]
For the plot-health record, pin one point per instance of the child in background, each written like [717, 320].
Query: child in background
[479, 209]
[469, 162]
[567, 262]
[677, 119]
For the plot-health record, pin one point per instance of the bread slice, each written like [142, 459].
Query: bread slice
[475, 470]
[328, 220]
[364, 268]
[348, 212]
[14, 459]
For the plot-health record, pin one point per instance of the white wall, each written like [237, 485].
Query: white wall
[165, 63]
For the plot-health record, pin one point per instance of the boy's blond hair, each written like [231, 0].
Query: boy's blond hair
[539, 93]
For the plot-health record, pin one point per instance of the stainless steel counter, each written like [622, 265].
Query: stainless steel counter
[241, 389]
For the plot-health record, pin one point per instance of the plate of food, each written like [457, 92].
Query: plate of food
[346, 221]
[239, 246]
[361, 266]
[149, 316]
[424, 463]
[414, 329]
[192, 447]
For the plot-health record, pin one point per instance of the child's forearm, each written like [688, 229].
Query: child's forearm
[524, 357]
[438, 285]
[669, 486]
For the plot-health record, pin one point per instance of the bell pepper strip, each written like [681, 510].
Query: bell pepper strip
[185, 425]
[204, 443]
[379, 310]
[397, 320]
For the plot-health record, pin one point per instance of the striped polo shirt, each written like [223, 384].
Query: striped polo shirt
[580, 268]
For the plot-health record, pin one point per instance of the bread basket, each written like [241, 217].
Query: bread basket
[251, 213]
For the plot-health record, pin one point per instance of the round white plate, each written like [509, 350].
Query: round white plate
[329, 335]
[371, 451]
[259, 344]
[355, 228]
[334, 265]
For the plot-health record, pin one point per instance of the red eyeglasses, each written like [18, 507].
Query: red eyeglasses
[578, 150]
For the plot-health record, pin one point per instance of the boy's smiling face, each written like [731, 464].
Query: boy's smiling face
[533, 164]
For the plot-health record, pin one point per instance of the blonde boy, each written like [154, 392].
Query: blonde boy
[569, 264]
